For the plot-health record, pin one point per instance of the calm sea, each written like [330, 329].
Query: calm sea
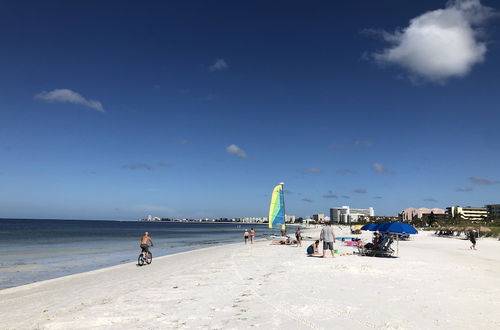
[34, 250]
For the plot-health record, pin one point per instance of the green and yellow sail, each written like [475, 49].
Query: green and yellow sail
[277, 207]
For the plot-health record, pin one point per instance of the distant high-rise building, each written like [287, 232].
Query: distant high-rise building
[320, 217]
[345, 214]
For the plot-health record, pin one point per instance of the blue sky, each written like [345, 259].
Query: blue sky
[120, 109]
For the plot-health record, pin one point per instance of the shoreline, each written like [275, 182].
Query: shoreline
[214, 245]
[47, 256]
[104, 269]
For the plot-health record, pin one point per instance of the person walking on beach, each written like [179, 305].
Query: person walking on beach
[472, 238]
[145, 240]
[246, 235]
[328, 238]
[252, 235]
[298, 237]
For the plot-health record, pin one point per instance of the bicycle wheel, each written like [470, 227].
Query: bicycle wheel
[149, 258]
[140, 260]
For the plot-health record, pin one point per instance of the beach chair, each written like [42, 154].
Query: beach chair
[383, 249]
[404, 237]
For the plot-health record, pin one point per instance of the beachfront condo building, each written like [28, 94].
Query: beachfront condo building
[493, 210]
[468, 212]
[409, 214]
[345, 214]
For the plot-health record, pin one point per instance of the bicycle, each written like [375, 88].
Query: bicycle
[146, 257]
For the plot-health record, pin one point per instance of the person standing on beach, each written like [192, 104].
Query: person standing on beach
[298, 237]
[328, 238]
[246, 235]
[472, 238]
[252, 235]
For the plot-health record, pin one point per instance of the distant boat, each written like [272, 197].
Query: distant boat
[277, 207]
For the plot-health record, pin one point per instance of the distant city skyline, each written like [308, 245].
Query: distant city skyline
[197, 110]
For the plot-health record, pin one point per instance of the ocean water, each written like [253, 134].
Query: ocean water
[35, 250]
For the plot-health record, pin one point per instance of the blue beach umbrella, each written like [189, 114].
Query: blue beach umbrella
[397, 228]
[370, 226]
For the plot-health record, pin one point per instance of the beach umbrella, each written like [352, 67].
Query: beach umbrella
[397, 228]
[383, 226]
[370, 226]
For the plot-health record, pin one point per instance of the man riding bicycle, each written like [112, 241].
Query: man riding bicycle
[145, 239]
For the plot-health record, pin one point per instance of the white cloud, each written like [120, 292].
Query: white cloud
[219, 65]
[330, 194]
[379, 168]
[364, 143]
[439, 44]
[235, 150]
[136, 166]
[69, 96]
[344, 171]
[481, 181]
[163, 164]
[314, 170]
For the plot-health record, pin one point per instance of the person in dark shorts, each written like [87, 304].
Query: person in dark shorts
[298, 237]
[328, 238]
[246, 236]
[312, 250]
[371, 245]
[472, 239]
[145, 240]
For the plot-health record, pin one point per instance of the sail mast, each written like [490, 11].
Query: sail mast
[283, 199]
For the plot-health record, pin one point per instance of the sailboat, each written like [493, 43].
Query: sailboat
[277, 207]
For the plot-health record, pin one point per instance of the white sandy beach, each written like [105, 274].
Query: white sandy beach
[435, 283]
